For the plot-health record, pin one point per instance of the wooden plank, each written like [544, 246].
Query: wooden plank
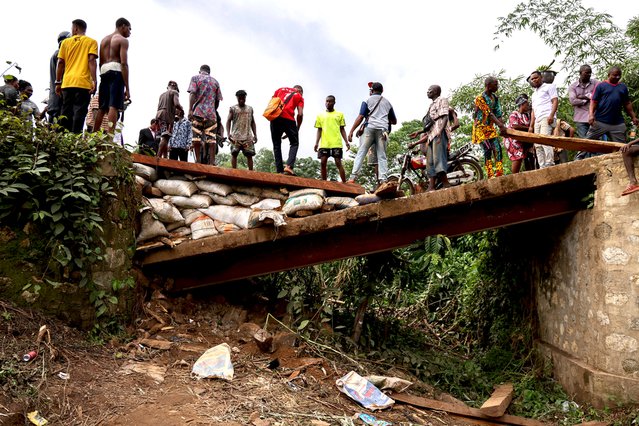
[466, 411]
[248, 177]
[574, 144]
[496, 405]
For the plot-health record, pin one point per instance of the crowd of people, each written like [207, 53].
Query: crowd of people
[76, 101]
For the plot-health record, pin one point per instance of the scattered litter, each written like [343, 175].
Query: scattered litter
[29, 356]
[35, 418]
[63, 375]
[371, 420]
[215, 363]
[153, 371]
[389, 383]
[363, 391]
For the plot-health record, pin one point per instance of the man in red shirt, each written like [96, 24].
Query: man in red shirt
[287, 123]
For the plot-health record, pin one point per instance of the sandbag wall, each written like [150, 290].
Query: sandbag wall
[178, 207]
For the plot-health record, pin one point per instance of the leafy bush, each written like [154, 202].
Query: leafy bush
[53, 181]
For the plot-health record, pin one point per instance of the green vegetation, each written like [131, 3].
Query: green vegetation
[53, 187]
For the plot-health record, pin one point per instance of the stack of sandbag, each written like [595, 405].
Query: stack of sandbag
[180, 207]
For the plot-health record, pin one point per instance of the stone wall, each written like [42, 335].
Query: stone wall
[587, 291]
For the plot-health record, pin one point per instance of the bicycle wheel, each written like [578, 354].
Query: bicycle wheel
[407, 186]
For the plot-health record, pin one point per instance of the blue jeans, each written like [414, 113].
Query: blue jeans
[369, 138]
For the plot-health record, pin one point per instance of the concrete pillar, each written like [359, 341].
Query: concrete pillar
[588, 295]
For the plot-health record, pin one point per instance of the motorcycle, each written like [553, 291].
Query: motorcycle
[463, 167]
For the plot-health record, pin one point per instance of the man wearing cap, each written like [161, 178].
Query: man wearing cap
[54, 104]
[9, 92]
[377, 113]
[287, 123]
[76, 76]
[204, 99]
[168, 104]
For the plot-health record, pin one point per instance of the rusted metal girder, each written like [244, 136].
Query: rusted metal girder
[371, 234]
[247, 177]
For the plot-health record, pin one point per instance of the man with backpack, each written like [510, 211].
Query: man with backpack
[287, 124]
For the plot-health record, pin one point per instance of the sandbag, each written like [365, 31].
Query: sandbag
[181, 232]
[150, 227]
[147, 172]
[224, 201]
[341, 202]
[243, 217]
[214, 187]
[249, 190]
[202, 227]
[165, 211]
[260, 217]
[195, 201]
[190, 215]
[367, 199]
[141, 183]
[267, 204]
[303, 202]
[307, 191]
[244, 199]
[176, 187]
[229, 214]
[175, 225]
[281, 194]
[224, 228]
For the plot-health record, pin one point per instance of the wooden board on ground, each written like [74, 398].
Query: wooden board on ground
[574, 144]
[462, 410]
[248, 177]
[496, 405]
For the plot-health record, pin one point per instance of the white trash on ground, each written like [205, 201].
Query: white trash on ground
[363, 391]
[215, 363]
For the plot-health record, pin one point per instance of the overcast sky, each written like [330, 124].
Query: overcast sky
[329, 47]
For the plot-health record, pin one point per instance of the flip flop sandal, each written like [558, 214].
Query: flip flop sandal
[630, 189]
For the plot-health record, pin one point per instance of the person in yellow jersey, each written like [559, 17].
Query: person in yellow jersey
[76, 76]
[330, 133]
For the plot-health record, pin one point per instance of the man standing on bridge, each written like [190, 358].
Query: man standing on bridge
[114, 74]
[580, 94]
[608, 100]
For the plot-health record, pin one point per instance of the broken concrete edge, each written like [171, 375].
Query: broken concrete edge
[586, 384]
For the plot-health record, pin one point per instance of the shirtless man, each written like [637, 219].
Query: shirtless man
[114, 74]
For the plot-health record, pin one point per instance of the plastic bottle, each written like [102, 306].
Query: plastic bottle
[632, 134]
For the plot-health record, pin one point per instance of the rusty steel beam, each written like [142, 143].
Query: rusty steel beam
[373, 236]
[247, 177]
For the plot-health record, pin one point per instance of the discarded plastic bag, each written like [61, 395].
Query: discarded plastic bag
[215, 363]
[393, 383]
[36, 419]
[371, 420]
[363, 391]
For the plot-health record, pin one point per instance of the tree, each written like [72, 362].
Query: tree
[578, 34]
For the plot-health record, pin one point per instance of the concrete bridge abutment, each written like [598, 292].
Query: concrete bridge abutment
[587, 294]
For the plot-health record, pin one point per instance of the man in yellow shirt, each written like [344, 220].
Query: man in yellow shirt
[76, 76]
[330, 132]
